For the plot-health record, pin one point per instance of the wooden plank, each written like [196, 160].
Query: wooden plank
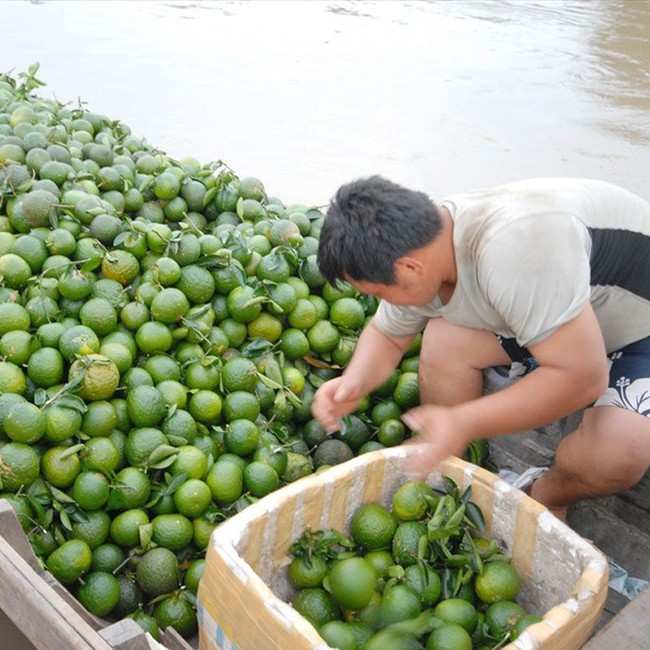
[14, 535]
[613, 605]
[172, 640]
[11, 636]
[629, 629]
[125, 635]
[44, 618]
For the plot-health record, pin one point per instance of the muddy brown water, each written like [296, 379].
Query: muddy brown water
[441, 95]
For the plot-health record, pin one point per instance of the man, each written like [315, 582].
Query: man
[550, 272]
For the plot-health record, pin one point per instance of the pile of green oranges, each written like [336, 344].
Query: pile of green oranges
[415, 575]
[163, 328]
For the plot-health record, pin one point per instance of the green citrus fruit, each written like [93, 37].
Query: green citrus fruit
[307, 571]
[24, 422]
[409, 503]
[316, 605]
[176, 612]
[499, 580]
[425, 582]
[99, 593]
[457, 610]
[226, 481]
[502, 616]
[352, 582]
[141, 442]
[146, 406]
[90, 490]
[70, 561]
[406, 542]
[107, 557]
[98, 375]
[449, 636]
[125, 527]
[194, 574]
[373, 526]
[192, 498]
[173, 531]
[60, 467]
[158, 572]
[260, 479]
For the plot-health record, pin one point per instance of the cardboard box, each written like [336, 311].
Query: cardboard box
[244, 593]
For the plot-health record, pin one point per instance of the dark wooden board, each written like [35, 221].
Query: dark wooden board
[629, 630]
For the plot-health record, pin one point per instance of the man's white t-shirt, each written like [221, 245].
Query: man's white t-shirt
[529, 256]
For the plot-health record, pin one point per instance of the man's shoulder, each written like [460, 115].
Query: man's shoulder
[543, 207]
[541, 194]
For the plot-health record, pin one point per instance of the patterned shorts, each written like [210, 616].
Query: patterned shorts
[629, 374]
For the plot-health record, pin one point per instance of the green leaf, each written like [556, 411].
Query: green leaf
[450, 487]
[474, 515]
[146, 183]
[395, 571]
[421, 625]
[243, 502]
[40, 512]
[256, 347]
[466, 495]
[269, 382]
[209, 196]
[457, 517]
[294, 400]
[189, 597]
[273, 371]
[423, 546]
[209, 360]
[59, 536]
[122, 237]
[61, 497]
[239, 209]
[175, 483]
[161, 453]
[177, 441]
[164, 464]
[65, 520]
[70, 451]
[145, 531]
[72, 402]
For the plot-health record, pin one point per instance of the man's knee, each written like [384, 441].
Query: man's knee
[445, 345]
[612, 446]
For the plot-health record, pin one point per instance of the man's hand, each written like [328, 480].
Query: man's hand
[333, 400]
[439, 434]
[375, 356]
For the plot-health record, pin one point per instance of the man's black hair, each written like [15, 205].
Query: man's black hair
[369, 224]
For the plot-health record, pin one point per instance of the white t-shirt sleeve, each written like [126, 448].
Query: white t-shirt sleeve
[536, 282]
[400, 321]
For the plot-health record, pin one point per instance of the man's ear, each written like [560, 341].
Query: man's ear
[409, 265]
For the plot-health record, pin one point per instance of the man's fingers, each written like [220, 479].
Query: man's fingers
[410, 421]
[334, 424]
[342, 393]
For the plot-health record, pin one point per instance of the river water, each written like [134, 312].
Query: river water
[440, 95]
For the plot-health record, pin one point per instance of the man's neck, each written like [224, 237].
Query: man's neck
[445, 253]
